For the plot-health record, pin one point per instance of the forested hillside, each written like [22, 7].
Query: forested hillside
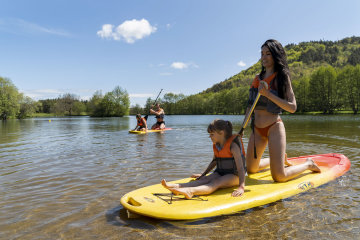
[325, 77]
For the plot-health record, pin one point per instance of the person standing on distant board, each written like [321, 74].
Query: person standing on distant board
[159, 115]
[274, 85]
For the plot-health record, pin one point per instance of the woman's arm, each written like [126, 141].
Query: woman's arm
[288, 104]
[236, 151]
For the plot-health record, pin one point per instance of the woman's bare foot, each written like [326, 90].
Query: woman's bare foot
[313, 166]
[182, 191]
[169, 185]
[286, 161]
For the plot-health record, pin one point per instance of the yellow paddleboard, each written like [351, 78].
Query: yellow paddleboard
[149, 131]
[157, 202]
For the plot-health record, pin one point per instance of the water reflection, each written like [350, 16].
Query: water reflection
[64, 178]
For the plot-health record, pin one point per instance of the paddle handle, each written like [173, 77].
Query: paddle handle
[157, 97]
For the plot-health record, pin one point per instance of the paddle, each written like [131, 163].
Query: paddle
[147, 115]
[246, 121]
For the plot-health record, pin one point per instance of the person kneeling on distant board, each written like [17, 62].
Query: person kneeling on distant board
[159, 115]
[228, 159]
[141, 123]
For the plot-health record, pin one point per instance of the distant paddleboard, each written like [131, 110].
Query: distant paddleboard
[149, 131]
[157, 202]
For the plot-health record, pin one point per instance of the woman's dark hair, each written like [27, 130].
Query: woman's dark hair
[138, 115]
[221, 125]
[280, 65]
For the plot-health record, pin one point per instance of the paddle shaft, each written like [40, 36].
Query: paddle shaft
[252, 108]
[157, 97]
[249, 114]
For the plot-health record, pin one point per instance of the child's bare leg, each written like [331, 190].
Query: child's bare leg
[183, 191]
[169, 185]
[225, 181]
[195, 183]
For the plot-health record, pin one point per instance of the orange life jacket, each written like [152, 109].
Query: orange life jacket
[141, 122]
[225, 162]
[225, 152]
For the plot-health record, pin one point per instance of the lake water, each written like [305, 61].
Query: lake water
[63, 179]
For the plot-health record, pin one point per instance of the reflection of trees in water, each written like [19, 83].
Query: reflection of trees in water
[10, 131]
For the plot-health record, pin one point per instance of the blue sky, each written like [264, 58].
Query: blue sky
[48, 48]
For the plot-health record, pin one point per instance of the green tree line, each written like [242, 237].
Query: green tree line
[325, 77]
[14, 104]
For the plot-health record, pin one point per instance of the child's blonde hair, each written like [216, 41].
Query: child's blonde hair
[221, 125]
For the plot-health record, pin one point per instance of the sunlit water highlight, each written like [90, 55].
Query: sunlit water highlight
[62, 179]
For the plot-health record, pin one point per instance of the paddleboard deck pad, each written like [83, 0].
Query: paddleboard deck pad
[150, 131]
[260, 189]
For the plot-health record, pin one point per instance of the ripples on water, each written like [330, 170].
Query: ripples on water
[63, 180]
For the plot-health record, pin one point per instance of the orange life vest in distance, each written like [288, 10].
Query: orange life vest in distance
[225, 152]
[141, 122]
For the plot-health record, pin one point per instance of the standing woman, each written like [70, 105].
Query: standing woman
[274, 85]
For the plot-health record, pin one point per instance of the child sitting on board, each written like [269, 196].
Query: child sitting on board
[141, 123]
[228, 159]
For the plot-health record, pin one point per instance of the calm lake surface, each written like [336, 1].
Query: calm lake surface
[63, 179]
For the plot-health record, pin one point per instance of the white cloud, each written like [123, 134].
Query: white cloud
[179, 65]
[129, 31]
[182, 65]
[241, 64]
[106, 31]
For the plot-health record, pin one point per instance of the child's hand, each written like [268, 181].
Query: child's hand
[238, 192]
[196, 175]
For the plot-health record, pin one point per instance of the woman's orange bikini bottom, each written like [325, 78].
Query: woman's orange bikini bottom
[264, 131]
